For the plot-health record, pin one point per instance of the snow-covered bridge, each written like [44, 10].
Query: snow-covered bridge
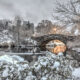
[43, 40]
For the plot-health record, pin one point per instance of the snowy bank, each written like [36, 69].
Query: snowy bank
[49, 67]
[76, 73]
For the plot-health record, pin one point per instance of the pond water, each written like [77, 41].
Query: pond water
[54, 46]
[28, 49]
[28, 53]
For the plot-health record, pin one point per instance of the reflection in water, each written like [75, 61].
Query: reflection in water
[26, 49]
[29, 49]
[56, 46]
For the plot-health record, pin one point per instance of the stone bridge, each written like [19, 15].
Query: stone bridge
[43, 40]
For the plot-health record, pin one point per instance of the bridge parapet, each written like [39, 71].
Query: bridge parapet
[47, 38]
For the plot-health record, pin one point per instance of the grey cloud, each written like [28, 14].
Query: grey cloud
[33, 10]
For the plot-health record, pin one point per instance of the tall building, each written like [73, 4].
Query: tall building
[44, 27]
[27, 29]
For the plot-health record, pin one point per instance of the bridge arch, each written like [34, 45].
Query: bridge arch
[43, 40]
[43, 44]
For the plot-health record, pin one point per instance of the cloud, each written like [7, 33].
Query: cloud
[33, 10]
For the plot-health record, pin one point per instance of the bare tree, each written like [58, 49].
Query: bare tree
[68, 12]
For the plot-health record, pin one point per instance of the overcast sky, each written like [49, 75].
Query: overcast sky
[32, 10]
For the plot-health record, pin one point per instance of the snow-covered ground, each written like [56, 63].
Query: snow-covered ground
[76, 72]
[49, 67]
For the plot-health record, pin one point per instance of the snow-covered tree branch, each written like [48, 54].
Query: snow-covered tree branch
[68, 12]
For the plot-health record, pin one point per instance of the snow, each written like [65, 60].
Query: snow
[44, 61]
[5, 31]
[7, 58]
[69, 27]
[56, 64]
[76, 49]
[18, 58]
[5, 72]
[11, 59]
[44, 78]
[60, 54]
[76, 72]
[29, 40]
[76, 32]
[30, 76]
[13, 67]
[47, 67]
